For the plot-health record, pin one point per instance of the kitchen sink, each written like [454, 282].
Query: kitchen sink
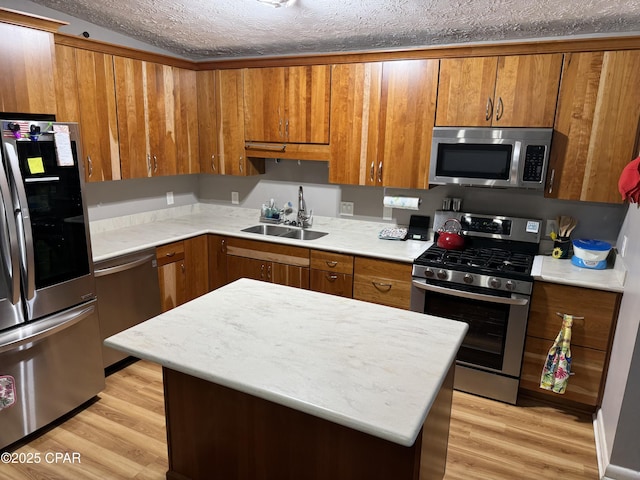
[284, 232]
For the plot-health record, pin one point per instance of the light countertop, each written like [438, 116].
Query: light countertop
[114, 237]
[372, 368]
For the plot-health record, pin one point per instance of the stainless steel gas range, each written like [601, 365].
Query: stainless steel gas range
[486, 284]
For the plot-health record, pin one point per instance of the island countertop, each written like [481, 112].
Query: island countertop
[372, 368]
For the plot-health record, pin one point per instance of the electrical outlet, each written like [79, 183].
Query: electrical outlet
[346, 209]
[235, 199]
[550, 226]
[169, 198]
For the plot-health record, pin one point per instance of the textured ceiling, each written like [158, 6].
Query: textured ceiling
[207, 29]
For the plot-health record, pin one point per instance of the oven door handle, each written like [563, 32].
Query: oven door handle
[471, 295]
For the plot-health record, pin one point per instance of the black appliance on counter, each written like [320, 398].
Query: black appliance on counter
[487, 285]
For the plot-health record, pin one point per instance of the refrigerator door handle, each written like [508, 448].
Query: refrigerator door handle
[37, 331]
[14, 252]
[23, 222]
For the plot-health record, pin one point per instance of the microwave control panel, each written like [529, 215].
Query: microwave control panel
[533, 163]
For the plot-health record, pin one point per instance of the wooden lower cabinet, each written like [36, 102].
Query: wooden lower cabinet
[217, 261]
[332, 273]
[268, 262]
[382, 281]
[591, 339]
[182, 271]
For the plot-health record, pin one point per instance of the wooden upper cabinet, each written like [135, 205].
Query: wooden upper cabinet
[509, 91]
[133, 128]
[221, 124]
[27, 78]
[186, 120]
[287, 104]
[382, 116]
[597, 125]
[85, 93]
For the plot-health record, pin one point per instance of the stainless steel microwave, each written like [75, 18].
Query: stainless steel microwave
[490, 157]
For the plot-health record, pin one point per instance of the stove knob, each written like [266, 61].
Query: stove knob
[442, 274]
[510, 285]
[428, 273]
[468, 278]
[495, 282]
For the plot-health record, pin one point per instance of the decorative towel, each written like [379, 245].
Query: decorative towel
[557, 368]
[7, 391]
[629, 182]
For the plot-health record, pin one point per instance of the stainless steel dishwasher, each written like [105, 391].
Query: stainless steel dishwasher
[128, 294]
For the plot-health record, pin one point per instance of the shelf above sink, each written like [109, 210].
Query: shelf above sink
[284, 232]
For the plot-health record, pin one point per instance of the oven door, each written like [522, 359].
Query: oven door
[497, 324]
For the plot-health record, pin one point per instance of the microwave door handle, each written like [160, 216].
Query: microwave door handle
[14, 252]
[23, 222]
[470, 295]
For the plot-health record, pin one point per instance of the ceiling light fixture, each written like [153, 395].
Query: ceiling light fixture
[278, 3]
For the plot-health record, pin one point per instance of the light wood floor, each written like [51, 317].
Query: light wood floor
[122, 436]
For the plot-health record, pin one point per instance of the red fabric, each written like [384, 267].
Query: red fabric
[629, 183]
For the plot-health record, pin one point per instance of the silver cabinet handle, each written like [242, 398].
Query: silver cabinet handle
[331, 263]
[553, 175]
[512, 300]
[240, 165]
[380, 172]
[262, 271]
[223, 246]
[155, 164]
[489, 111]
[286, 129]
[182, 267]
[90, 163]
[170, 254]
[371, 170]
[213, 162]
[149, 163]
[499, 109]
[332, 277]
[269, 272]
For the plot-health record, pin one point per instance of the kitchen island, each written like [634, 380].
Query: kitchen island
[264, 381]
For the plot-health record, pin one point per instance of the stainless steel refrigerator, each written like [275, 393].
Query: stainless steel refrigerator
[50, 348]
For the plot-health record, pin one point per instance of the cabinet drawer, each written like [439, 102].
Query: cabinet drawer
[332, 262]
[171, 252]
[598, 308]
[587, 365]
[333, 283]
[383, 282]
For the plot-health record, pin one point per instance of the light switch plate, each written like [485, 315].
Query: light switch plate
[169, 198]
[235, 198]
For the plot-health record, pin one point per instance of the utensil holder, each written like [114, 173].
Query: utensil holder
[562, 247]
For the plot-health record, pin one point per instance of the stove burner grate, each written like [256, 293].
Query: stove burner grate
[487, 259]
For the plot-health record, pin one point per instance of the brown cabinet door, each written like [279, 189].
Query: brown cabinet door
[465, 91]
[186, 120]
[407, 110]
[527, 90]
[382, 118]
[307, 91]
[243, 267]
[596, 126]
[587, 366]
[217, 251]
[510, 91]
[207, 123]
[264, 104]
[27, 79]
[196, 261]
[85, 92]
[599, 309]
[230, 123]
[290, 275]
[382, 281]
[332, 283]
[172, 280]
[158, 87]
[133, 128]
[355, 123]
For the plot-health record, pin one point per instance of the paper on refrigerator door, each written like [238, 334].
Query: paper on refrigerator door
[64, 154]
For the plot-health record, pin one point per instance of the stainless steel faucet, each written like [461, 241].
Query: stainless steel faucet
[304, 219]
